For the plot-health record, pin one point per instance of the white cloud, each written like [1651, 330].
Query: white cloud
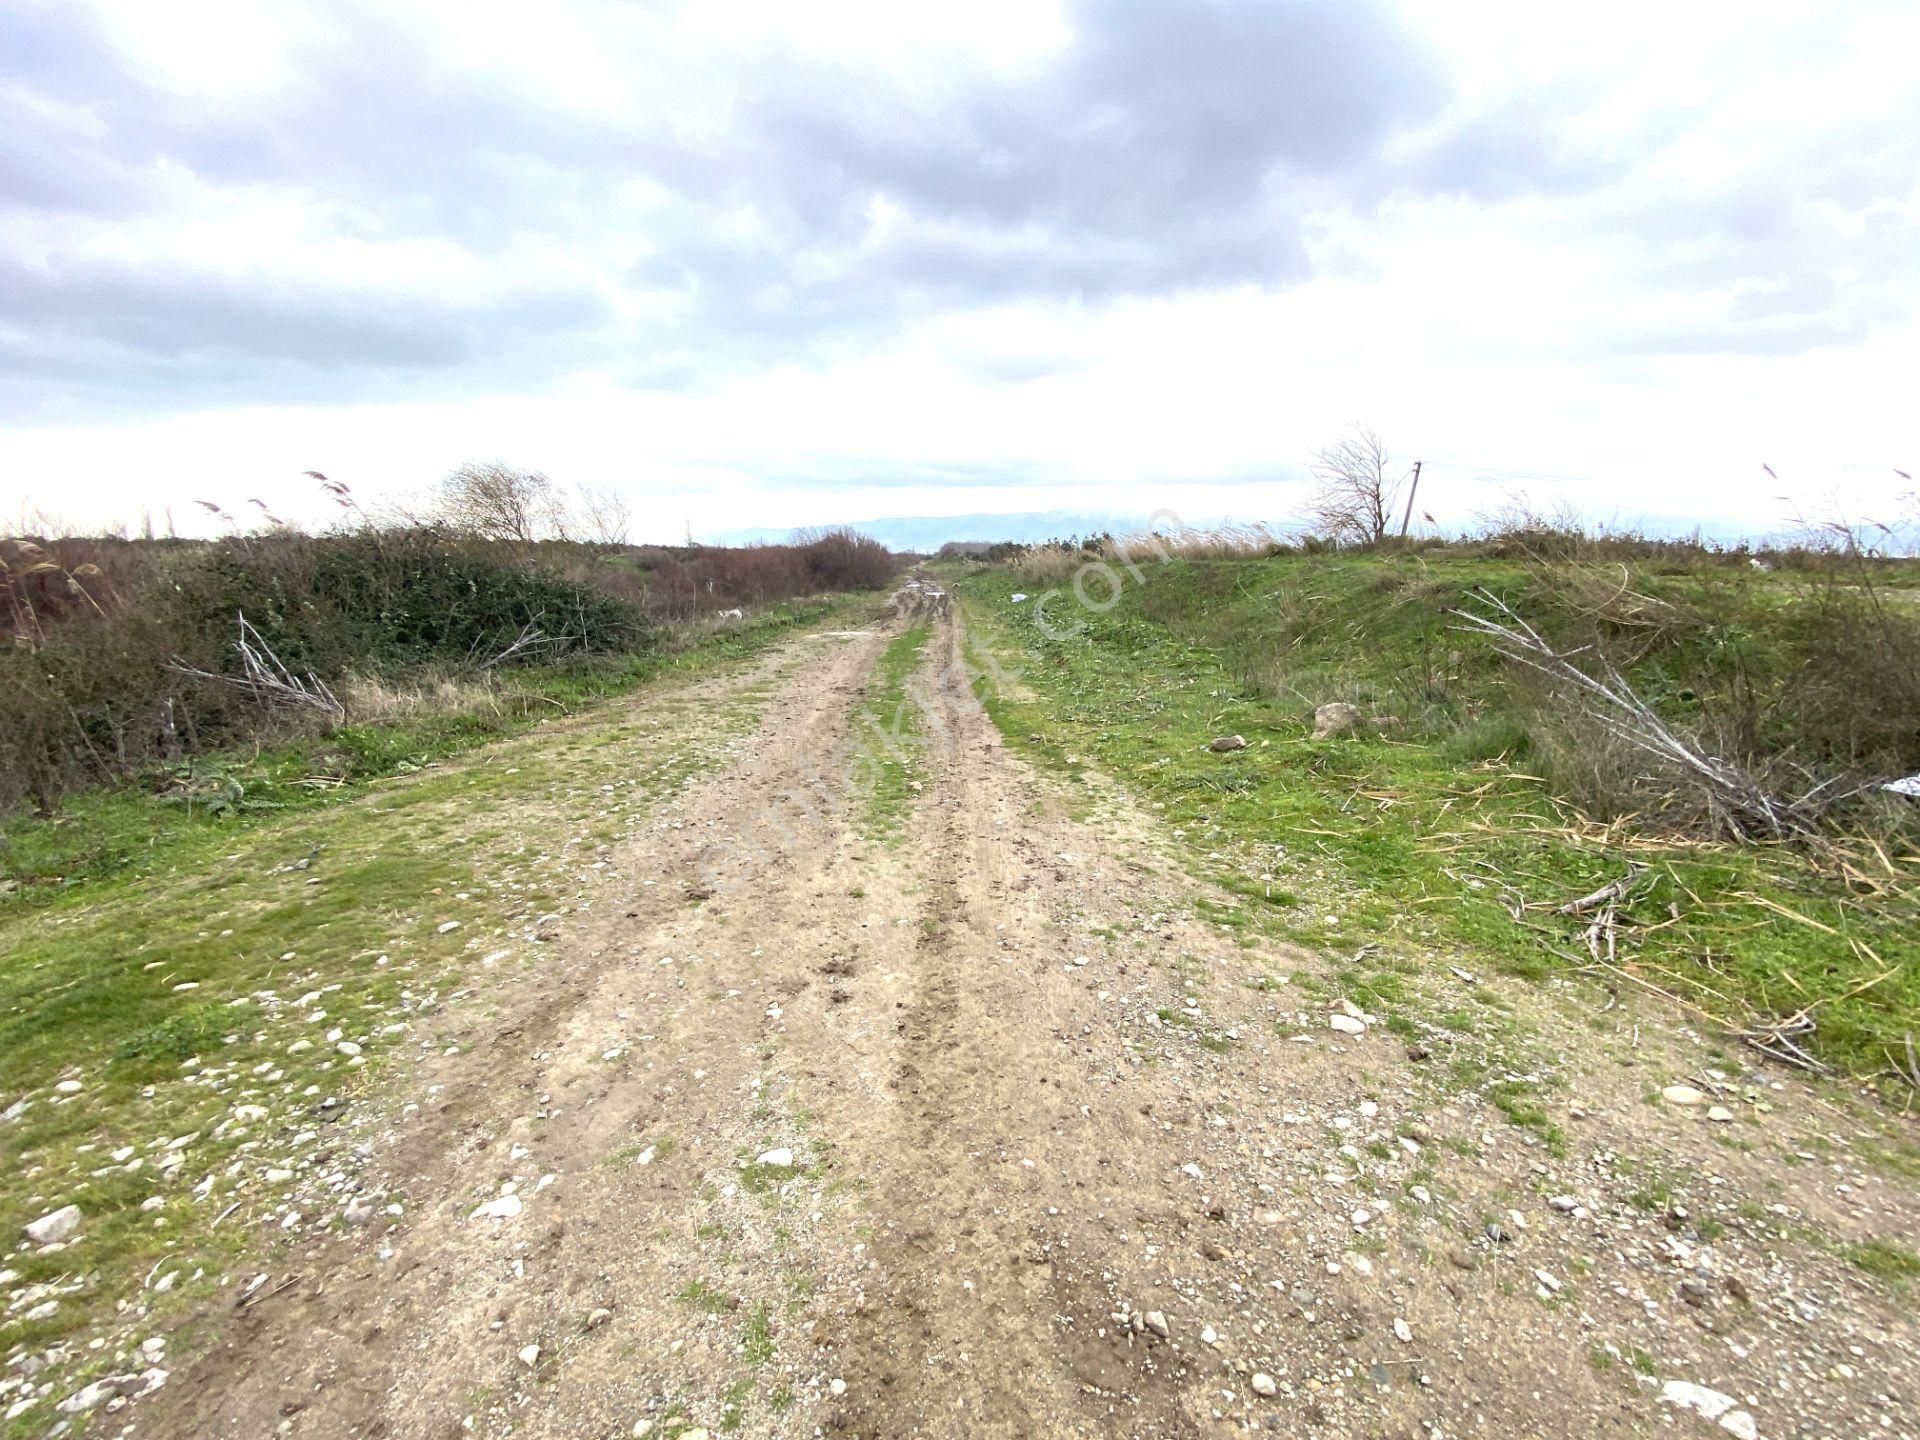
[751, 261]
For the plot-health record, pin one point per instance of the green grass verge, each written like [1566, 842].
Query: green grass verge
[887, 728]
[1411, 840]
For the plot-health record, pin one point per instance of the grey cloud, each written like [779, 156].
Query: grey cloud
[209, 337]
[1523, 145]
[1172, 145]
[1175, 144]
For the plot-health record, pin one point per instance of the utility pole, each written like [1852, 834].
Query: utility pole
[1412, 490]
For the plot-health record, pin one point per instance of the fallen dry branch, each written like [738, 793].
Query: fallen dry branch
[1909, 1068]
[1778, 1040]
[530, 641]
[1609, 894]
[1743, 808]
[264, 677]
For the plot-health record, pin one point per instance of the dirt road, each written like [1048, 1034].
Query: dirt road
[995, 1131]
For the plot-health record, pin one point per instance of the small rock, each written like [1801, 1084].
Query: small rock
[1402, 1332]
[62, 1224]
[530, 1356]
[1565, 1204]
[1263, 1385]
[1157, 1323]
[1681, 1095]
[1547, 1283]
[782, 1158]
[1720, 1115]
[1222, 744]
[597, 1318]
[1347, 1024]
[1337, 718]
[837, 1386]
[68, 1087]
[1710, 1404]
[89, 1397]
[504, 1208]
[1192, 1171]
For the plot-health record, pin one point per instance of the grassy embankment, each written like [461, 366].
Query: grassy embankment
[1452, 834]
[173, 970]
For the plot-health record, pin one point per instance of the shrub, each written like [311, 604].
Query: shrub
[403, 619]
[386, 598]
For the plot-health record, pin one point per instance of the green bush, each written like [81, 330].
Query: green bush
[386, 600]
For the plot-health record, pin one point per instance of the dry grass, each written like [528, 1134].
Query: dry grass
[1226, 542]
[1048, 565]
[381, 699]
[1056, 562]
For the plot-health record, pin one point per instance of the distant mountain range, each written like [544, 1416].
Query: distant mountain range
[929, 533]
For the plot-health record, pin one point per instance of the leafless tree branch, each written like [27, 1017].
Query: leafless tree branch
[1355, 497]
[1602, 693]
[267, 679]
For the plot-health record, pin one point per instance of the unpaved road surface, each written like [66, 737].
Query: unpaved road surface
[1067, 1158]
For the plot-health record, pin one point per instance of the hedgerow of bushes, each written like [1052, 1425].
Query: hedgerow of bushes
[95, 683]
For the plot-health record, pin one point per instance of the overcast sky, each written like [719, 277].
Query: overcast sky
[769, 263]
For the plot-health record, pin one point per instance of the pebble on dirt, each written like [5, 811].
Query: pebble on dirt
[1222, 744]
[505, 1208]
[1711, 1405]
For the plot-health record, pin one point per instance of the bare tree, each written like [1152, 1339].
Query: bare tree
[1355, 496]
[602, 517]
[497, 502]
